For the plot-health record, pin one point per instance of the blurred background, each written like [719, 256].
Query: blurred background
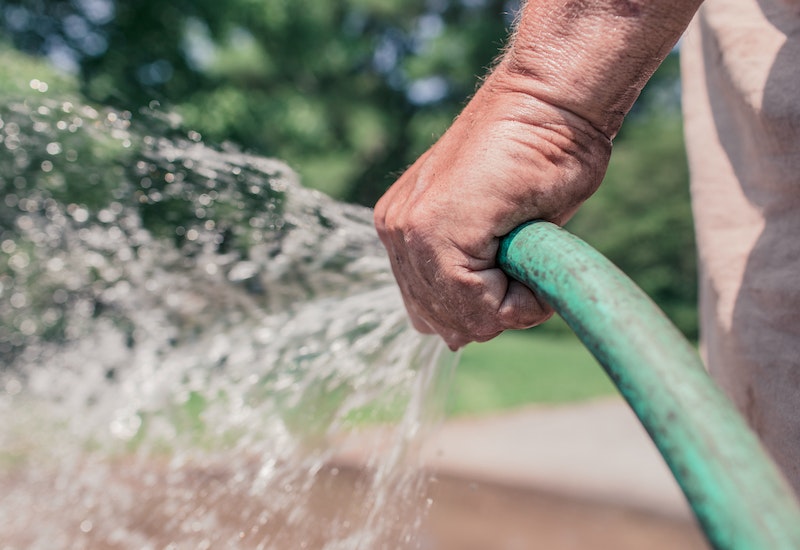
[349, 92]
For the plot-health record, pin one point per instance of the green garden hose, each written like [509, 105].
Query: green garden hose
[734, 489]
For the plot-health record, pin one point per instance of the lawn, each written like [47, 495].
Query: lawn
[523, 367]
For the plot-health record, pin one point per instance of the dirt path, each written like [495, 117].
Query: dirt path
[582, 477]
[201, 511]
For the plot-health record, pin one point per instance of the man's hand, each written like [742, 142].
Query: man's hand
[507, 159]
[533, 143]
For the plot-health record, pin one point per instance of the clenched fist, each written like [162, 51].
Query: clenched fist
[508, 158]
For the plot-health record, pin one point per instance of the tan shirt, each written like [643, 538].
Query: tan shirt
[741, 78]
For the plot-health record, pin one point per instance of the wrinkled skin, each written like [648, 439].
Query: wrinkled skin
[533, 143]
[508, 158]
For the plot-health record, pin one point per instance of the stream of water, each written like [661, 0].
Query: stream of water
[190, 345]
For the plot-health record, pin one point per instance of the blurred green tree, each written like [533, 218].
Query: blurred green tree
[350, 92]
[347, 91]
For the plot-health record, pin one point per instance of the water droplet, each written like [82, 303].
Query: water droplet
[51, 316]
[125, 425]
[25, 223]
[13, 386]
[243, 271]
[18, 300]
[12, 143]
[27, 327]
[60, 296]
[8, 246]
[19, 261]
[106, 216]
[55, 264]
[78, 213]
[90, 112]
[38, 85]
[53, 148]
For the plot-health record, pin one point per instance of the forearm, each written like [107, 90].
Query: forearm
[591, 58]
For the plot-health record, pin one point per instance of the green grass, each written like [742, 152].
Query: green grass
[519, 368]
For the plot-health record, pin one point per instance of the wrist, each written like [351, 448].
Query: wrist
[591, 60]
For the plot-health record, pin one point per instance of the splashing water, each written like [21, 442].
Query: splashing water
[189, 342]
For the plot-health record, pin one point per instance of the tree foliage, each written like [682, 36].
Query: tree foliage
[350, 92]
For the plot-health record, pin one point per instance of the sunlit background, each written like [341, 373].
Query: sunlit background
[348, 93]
